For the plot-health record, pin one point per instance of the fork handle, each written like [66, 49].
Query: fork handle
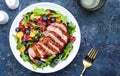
[83, 71]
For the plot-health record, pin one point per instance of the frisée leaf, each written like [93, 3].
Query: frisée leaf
[40, 11]
[71, 28]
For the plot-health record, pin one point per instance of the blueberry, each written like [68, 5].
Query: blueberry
[44, 18]
[53, 19]
[27, 31]
[67, 23]
[34, 20]
[26, 52]
[17, 29]
[60, 56]
[39, 63]
[55, 60]
[24, 43]
[36, 39]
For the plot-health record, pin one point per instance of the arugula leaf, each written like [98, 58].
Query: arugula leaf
[55, 62]
[28, 14]
[34, 25]
[67, 51]
[43, 65]
[16, 38]
[24, 57]
[39, 33]
[35, 66]
[29, 43]
[24, 22]
[19, 45]
[48, 61]
[40, 11]
[50, 58]
[26, 18]
[71, 28]
[52, 11]
[62, 56]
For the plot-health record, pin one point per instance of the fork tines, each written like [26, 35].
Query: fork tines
[91, 55]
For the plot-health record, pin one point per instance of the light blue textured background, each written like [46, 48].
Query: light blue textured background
[100, 29]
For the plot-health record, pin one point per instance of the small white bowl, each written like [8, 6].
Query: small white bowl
[3, 17]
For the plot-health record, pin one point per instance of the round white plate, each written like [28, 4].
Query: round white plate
[61, 64]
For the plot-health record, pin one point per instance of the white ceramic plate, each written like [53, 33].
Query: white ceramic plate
[61, 64]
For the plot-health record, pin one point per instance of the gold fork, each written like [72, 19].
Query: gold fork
[87, 62]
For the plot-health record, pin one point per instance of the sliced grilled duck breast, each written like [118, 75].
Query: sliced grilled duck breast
[63, 27]
[52, 42]
[58, 31]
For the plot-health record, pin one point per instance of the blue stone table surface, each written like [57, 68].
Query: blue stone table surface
[100, 29]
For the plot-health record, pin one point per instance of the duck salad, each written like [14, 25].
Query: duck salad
[44, 37]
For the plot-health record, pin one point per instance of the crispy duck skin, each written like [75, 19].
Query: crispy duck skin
[52, 42]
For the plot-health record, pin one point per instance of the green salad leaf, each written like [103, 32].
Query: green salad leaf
[39, 33]
[61, 16]
[35, 67]
[52, 11]
[50, 58]
[43, 65]
[55, 62]
[24, 22]
[67, 51]
[16, 38]
[19, 45]
[40, 11]
[26, 18]
[29, 43]
[64, 19]
[71, 28]
[62, 56]
[28, 14]
[24, 57]
[34, 25]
